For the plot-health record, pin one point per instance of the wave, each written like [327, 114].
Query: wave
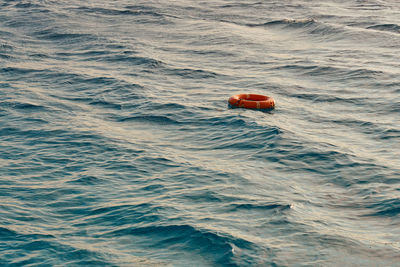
[134, 60]
[19, 71]
[338, 74]
[26, 106]
[30, 133]
[216, 247]
[6, 47]
[273, 207]
[331, 164]
[28, 5]
[329, 98]
[158, 119]
[322, 30]
[42, 252]
[129, 10]
[86, 180]
[106, 104]
[33, 249]
[386, 27]
[385, 208]
[294, 23]
[188, 73]
[141, 13]
[389, 134]
[59, 35]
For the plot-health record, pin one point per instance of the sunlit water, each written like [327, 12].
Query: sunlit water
[117, 146]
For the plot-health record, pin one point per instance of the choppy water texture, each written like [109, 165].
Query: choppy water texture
[117, 146]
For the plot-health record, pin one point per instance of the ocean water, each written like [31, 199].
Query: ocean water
[118, 148]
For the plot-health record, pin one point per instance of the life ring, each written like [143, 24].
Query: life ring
[252, 101]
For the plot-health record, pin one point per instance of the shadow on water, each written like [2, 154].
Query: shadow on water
[268, 111]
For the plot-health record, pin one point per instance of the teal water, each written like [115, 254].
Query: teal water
[117, 146]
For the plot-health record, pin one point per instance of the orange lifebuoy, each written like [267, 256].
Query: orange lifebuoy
[252, 101]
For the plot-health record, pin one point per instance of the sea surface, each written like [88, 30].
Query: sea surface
[118, 148]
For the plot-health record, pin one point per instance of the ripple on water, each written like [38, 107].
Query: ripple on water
[117, 146]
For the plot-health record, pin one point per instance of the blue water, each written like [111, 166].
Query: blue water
[118, 148]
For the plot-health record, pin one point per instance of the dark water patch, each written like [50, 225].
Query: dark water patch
[80, 82]
[82, 140]
[329, 98]
[270, 207]
[204, 196]
[332, 166]
[192, 73]
[92, 54]
[19, 71]
[103, 46]
[5, 56]
[389, 134]
[314, 70]
[323, 240]
[242, 5]
[386, 27]
[120, 209]
[217, 247]
[169, 106]
[226, 122]
[125, 91]
[134, 60]
[68, 202]
[96, 80]
[294, 23]
[25, 106]
[6, 47]
[318, 29]
[115, 47]
[250, 140]
[359, 174]
[202, 177]
[374, 129]
[6, 3]
[106, 104]
[365, 126]
[156, 188]
[120, 216]
[115, 95]
[141, 15]
[385, 208]
[333, 73]
[157, 163]
[54, 34]
[45, 250]
[175, 111]
[389, 107]
[39, 56]
[42, 196]
[27, 5]
[367, 6]
[364, 74]
[129, 10]
[211, 53]
[18, 169]
[11, 153]
[141, 7]
[161, 120]
[6, 51]
[25, 134]
[8, 233]
[5, 85]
